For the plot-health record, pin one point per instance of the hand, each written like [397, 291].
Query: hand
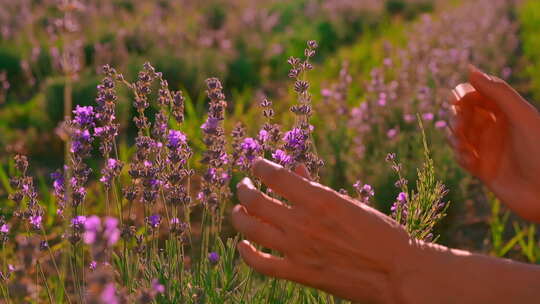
[496, 137]
[329, 241]
[334, 243]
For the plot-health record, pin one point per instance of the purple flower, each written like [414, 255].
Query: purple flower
[154, 220]
[401, 201]
[157, 287]
[35, 221]
[392, 133]
[264, 136]
[92, 265]
[92, 225]
[175, 221]
[326, 92]
[365, 192]
[108, 295]
[408, 117]
[250, 147]
[211, 125]
[78, 222]
[58, 181]
[93, 229]
[200, 196]
[176, 139]
[368, 190]
[428, 116]
[84, 116]
[295, 139]
[213, 257]
[4, 228]
[111, 170]
[112, 163]
[281, 157]
[440, 124]
[111, 231]
[100, 131]
[402, 197]
[382, 99]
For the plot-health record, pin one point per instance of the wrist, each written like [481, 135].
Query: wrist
[437, 274]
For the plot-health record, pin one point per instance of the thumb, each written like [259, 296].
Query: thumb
[502, 94]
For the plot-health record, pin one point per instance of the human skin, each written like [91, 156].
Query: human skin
[334, 243]
[496, 137]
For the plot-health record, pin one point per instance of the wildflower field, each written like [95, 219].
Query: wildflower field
[126, 125]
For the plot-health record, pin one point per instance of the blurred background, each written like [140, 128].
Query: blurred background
[401, 56]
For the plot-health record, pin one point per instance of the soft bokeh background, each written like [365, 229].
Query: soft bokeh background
[246, 44]
[378, 65]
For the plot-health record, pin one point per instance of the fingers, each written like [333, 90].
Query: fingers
[264, 263]
[262, 206]
[498, 91]
[290, 185]
[257, 231]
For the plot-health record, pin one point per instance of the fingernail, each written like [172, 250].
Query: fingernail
[262, 166]
[453, 109]
[474, 69]
[247, 181]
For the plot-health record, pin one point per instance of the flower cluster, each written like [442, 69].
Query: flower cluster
[335, 97]
[110, 171]
[414, 79]
[419, 210]
[81, 147]
[297, 141]
[214, 185]
[106, 129]
[364, 191]
[25, 190]
[100, 234]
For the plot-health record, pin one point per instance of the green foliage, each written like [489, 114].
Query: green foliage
[395, 6]
[517, 240]
[529, 17]
[216, 16]
[424, 206]
[84, 94]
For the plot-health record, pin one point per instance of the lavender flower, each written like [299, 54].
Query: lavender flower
[78, 223]
[4, 228]
[440, 124]
[282, 158]
[35, 221]
[215, 156]
[154, 221]
[59, 190]
[111, 171]
[108, 295]
[95, 232]
[210, 126]
[176, 139]
[365, 192]
[249, 149]
[295, 140]
[157, 287]
[81, 146]
[213, 257]
[401, 201]
[93, 265]
[84, 116]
